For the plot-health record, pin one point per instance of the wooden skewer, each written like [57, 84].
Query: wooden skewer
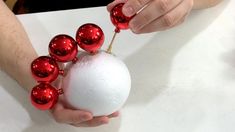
[109, 50]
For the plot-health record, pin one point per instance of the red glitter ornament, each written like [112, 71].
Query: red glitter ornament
[90, 37]
[118, 18]
[45, 69]
[44, 96]
[63, 48]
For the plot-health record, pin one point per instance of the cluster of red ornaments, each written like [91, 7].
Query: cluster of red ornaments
[63, 48]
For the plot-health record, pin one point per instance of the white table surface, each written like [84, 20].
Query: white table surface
[183, 78]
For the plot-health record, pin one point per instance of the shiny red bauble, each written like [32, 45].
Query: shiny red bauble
[63, 48]
[90, 37]
[44, 96]
[44, 69]
[118, 18]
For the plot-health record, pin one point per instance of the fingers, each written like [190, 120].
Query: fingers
[154, 15]
[97, 121]
[131, 7]
[115, 2]
[152, 11]
[168, 20]
[69, 116]
[115, 114]
[78, 118]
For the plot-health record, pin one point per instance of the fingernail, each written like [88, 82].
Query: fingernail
[128, 11]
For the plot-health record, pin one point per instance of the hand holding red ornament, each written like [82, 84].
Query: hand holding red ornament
[119, 20]
[156, 15]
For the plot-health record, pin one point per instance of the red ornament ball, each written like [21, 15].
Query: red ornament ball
[44, 96]
[90, 37]
[63, 48]
[44, 69]
[118, 18]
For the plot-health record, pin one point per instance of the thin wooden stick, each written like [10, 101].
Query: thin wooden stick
[109, 50]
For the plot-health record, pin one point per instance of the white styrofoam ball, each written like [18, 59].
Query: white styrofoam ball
[97, 83]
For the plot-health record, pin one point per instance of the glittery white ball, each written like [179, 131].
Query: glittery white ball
[97, 83]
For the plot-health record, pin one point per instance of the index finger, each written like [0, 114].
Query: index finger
[131, 7]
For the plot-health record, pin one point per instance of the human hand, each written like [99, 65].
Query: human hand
[78, 118]
[154, 15]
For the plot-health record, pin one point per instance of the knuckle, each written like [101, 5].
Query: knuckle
[147, 17]
[168, 20]
[139, 3]
[163, 6]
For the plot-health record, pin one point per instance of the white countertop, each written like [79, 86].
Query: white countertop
[183, 79]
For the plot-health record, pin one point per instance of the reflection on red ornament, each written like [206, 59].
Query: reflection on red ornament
[44, 96]
[90, 37]
[44, 69]
[118, 18]
[63, 48]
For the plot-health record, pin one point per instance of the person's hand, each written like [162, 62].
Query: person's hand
[154, 15]
[78, 118]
